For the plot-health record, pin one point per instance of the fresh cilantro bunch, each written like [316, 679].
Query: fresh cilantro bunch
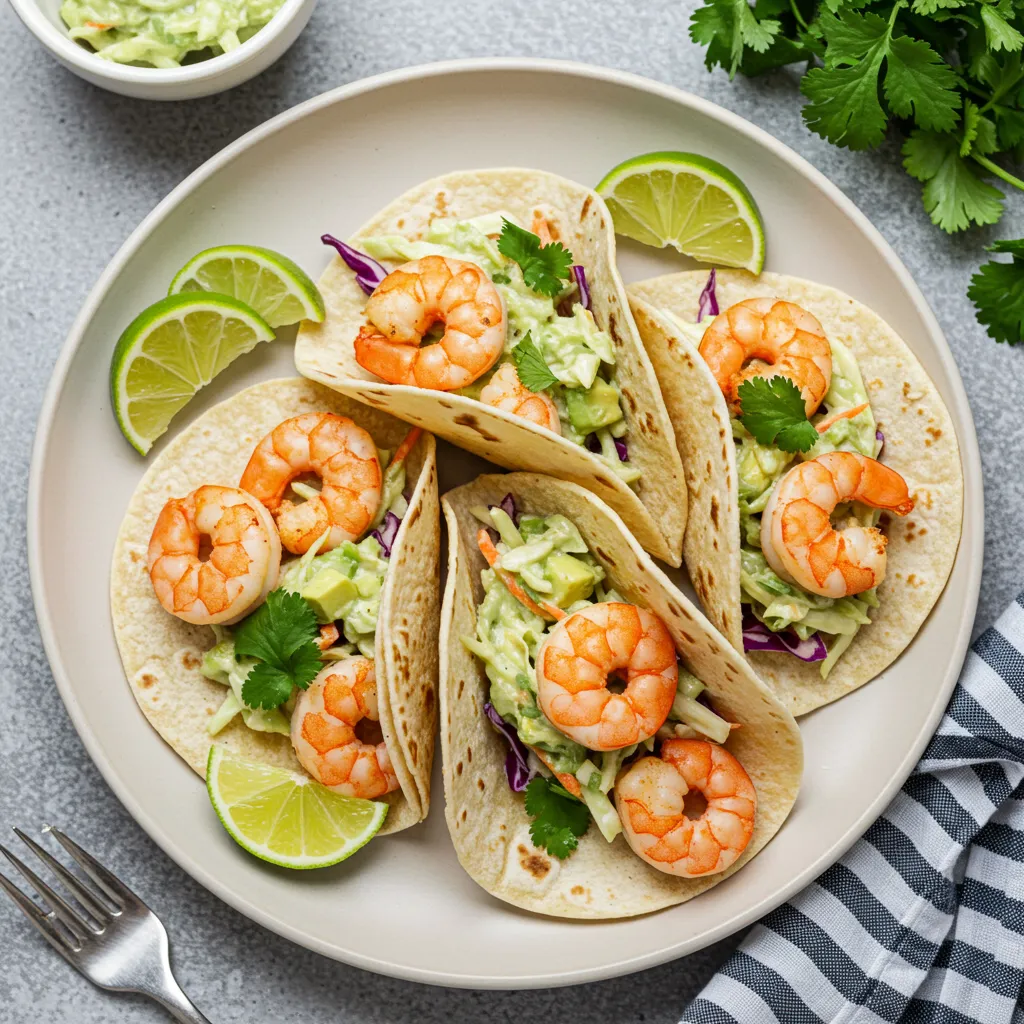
[947, 74]
[558, 818]
[282, 634]
[545, 267]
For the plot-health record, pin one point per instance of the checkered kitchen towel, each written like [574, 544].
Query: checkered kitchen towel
[923, 920]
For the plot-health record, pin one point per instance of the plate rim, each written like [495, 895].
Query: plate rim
[973, 512]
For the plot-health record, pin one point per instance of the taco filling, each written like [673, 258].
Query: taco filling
[510, 314]
[602, 721]
[811, 489]
[295, 639]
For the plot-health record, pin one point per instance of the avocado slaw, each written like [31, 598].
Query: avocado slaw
[547, 558]
[777, 604]
[164, 33]
[577, 352]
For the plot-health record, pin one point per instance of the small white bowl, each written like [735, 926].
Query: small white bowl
[42, 18]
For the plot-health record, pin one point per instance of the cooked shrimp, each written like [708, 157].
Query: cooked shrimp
[650, 797]
[245, 555]
[324, 731]
[774, 332]
[506, 391]
[573, 667]
[345, 458]
[409, 301]
[797, 535]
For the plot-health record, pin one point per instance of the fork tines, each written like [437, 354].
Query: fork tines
[63, 924]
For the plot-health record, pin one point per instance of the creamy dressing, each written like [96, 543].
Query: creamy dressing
[165, 33]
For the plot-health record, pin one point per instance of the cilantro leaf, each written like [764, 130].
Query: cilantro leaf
[558, 821]
[932, 6]
[978, 132]
[997, 291]
[534, 373]
[544, 267]
[727, 27]
[773, 410]
[954, 196]
[919, 83]
[845, 106]
[999, 33]
[282, 635]
[266, 686]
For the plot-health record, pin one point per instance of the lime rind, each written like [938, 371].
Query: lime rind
[172, 349]
[267, 281]
[259, 804]
[687, 201]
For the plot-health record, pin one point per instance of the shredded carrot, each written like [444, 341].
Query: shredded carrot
[846, 414]
[541, 228]
[406, 446]
[546, 610]
[101, 25]
[569, 782]
[328, 636]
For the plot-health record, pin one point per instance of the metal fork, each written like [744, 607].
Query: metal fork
[111, 937]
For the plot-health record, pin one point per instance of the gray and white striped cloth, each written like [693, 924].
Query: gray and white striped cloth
[923, 920]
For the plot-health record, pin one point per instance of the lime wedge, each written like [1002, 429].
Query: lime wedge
[687, 201]
[285, 817]
[278, 289]
[169, 351]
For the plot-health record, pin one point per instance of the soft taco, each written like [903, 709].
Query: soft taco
[548, 773]
[819, 553]
[539, 366]
[360, 579]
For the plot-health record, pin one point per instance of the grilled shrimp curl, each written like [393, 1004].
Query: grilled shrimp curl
[650, 796]
[797, 535]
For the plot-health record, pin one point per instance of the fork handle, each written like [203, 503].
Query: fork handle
[178, 1004]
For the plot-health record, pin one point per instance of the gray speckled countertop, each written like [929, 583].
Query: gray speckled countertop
[79, 168]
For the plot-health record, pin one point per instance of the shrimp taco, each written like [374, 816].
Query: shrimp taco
[566, 793]
[273, 592]
[495, 318]
[823, 468]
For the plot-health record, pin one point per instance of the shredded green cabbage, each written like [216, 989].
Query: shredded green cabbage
[164, 33]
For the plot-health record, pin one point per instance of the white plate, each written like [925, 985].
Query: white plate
[403, 906]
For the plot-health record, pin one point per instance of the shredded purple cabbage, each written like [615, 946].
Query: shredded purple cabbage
[758, 637]
[517, 767]
[880, 437]
[369, 273]
[593, 445]
[386, 533]
[581, 282]
[707, 304]
[508, 506]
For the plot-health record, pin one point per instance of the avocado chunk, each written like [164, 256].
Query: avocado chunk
[329, 592]
[572, 579]
[596, 407]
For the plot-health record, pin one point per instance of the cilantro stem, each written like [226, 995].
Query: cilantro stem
[995, 169]
[1001, 92]
[796, 14]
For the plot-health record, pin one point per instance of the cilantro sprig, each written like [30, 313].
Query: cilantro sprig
[534, 373]
[544, 267]
[947, 74]
[997, 289]
[558, 819]
[773, 410]
[281, 633]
